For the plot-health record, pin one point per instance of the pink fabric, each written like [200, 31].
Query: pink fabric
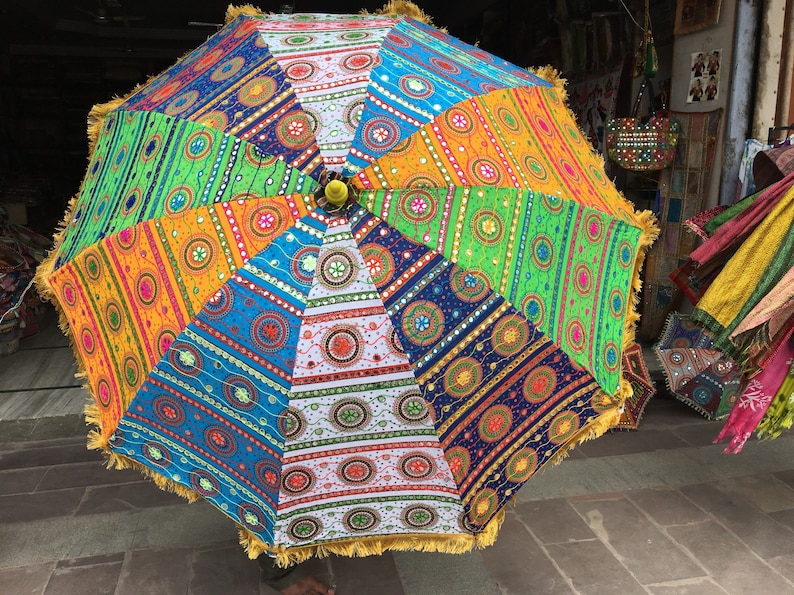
[751, 406]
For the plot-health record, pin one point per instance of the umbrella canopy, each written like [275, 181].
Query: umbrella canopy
[642, 388]
[697, 374]
[348, 278]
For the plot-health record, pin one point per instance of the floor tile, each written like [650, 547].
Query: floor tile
[593, 569]
[667, 507]
[765, 492]
[699, 586]
[184, 524]
[26, 580]
[761, 533]
[699, 434]
[102, 579]
[223, 570]
[20, 508]
[553, 521]
[647, 552]
[90, 473]
[728, 561]
[362, 575]
[43, 428]
[165, 571]
[424, 573]
[519, 565]
[784, 565]
[38, 456]
[90, 560]
[129, 496]
[17, 481]
[39, 369]
[622, 443]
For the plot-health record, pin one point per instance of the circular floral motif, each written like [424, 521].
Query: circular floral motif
[448, 67]
[298, 40]
[563, 427]
[594, 228]
[576, 335]
[351, 116]
[357, 470]
[508, 119]
[228, 69]
[185, 358]
[220, 303]
[199, 253]
[87, 340]
[127, 238]
[292, 424]
[298, 480]
[151, 147]
[487, 227]
[178, 200]
[295, 131]
[181, 103]
[419, 517]
[251, 516]
[459, 461]
[616, 303]
[131, 201]
[269, 220]
[495, 423]
[462, 377]
[350, 414]
[418, 205]
[220, 440]
[521, 465]
[113, 316]
[198, 145]
[358, 62]
[69, 294]
[535, 167]
[483, 506]
[157, 454]
[93, 266]
[132, 371]
[459, 121]
[215, 119]
[416, 86]
[602, 401]
[552, 202]
[361, 519]
[486, 171]
[416, 466]
[303, 264]
[468, 286]
[268, 474]
[381, 134]
[304, 528]
[612, 357]
[411, 408]
[532, 307]
[165, 338]
[337, 269]
[583, 277]
[343, 346]
[270, 331]
[422, 322]
[103, 391]
[702, 395]
[510, 335]
[394, 342]
[379, 263]
[625, 254]
[204, 483]
[257, 91]
[539, 384]
[169, 410]
[240, 392]
[301, 70]
[542, 252]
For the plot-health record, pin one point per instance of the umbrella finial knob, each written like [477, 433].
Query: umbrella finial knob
[336, 192]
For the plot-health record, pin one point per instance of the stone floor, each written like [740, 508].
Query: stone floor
[656, 511]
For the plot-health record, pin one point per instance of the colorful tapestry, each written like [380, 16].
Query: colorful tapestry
[683, 188]
[642, 387]
[593, 100]
[779, 417]
[350, 280]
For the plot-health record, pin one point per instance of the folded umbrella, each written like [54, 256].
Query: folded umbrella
[348, 278]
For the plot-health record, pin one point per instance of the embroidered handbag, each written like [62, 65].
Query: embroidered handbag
[640, 145]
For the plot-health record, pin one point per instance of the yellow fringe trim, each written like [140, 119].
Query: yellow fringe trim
[374, 546]
[232, 12]
[403, 7]
[550, 74]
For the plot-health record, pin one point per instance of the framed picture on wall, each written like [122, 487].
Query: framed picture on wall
[694, 15]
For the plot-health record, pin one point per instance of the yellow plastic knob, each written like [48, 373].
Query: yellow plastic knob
[336, 192]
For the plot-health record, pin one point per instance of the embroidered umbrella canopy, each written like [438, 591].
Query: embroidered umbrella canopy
[642, 388]
[697, 374]
[349, 279]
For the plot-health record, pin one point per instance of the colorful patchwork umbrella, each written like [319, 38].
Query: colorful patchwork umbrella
[642, 388]
[697, 374]
[348, 278]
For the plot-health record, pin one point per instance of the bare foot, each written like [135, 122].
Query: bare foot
[307, 586]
